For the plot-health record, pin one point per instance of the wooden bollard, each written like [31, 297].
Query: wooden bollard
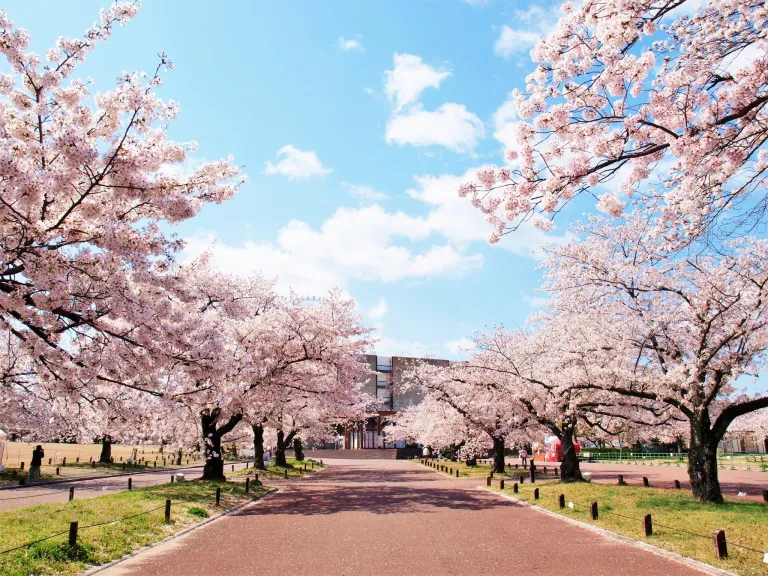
[247, 485]
[305, 466]
[522, 479]
[285, 473]
[123, 465]
[501, 483]
[457, 472]
[77, 460]
[64, 461]
[488, 480]
[130, 483]
[71, 493]
[121, 458]
[721, 548]
[645, 482]
[516, 466]
[167, 511]
[765, 495]
[647, 525]
[58, 472]
[22, 466]
[532, 473]
[246, 465]
[218, 495]
[555, 471]
[621, 480]
[561, 501]
[593, 511]
[50, 460]
[514, 488]
[155, 464]
[536, 494]
[73, 534]
[491, 473]
[677, 484]
[233, 467]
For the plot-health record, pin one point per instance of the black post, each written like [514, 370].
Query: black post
[172, 478]
[721, 548]
[645, 482]
[536, 494]
[285, 473]
[621, 480]
[488, 481]
[457, 472]
[73, 534]
[218, 495]
[71, 493]
[765, 495]
[561, 501]
[593, 511]
[247, 485]
[647, 525]
[167, 511]
[130, 483]
[501, 483]
[514, 488]
[57, 471]
[533, 472]
[677, 484]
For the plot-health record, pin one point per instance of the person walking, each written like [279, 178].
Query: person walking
[425, 452]
[524, 456]
[34, 466]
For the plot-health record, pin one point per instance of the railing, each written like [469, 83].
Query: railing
[724, 460]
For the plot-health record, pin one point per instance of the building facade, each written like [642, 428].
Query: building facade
[387, 385]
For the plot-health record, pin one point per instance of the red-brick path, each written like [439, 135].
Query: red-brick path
[387, 517]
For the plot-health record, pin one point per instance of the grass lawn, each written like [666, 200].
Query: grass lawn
[483, 470]
[191, 502]
[275, 471]
[744, 522]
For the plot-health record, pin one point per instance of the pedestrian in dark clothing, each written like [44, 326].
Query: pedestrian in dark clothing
[34, 467]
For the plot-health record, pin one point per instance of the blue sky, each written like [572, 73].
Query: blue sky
[356, 122]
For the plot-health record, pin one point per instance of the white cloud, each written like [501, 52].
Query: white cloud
[364, 193]
[362, 244]
[368, 90]
[409, 78]
[460, 346]
[477, 3]
[379, 310]
[535, 302]
[504, 120]
[531, 24]
[451, 125]
[348, 45]
[296, 164]
[457, 220]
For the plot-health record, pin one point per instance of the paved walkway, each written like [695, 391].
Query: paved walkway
[34, 495]
[391, 517]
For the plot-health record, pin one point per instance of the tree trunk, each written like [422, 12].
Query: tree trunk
[258, 446]
[106, 450]
[298, 449]
[569, 467]
[702, 462]
[280, 450]
[212, 434]
[498, 455]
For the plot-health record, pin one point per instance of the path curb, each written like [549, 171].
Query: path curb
[179, 534]
[706, 568]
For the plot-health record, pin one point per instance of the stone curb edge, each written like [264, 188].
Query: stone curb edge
[707, 568]
[179, 534]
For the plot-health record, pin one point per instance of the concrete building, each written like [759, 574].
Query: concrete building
[387, 385]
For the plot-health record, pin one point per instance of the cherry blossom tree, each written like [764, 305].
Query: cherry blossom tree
[662, 99]
[480, 399]
[83, 253]
[690, 325]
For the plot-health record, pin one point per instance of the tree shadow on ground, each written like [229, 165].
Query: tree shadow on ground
[379, 499]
